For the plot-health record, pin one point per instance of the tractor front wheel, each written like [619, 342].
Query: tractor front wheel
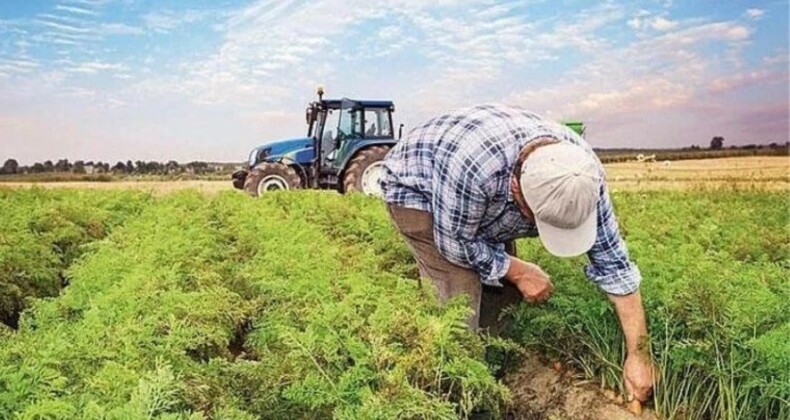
[271, 176]
[365, 170]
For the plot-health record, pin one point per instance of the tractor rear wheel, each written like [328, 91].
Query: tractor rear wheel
[271, 176]
[365, 170]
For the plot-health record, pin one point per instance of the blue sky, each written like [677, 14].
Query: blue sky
[208, 80]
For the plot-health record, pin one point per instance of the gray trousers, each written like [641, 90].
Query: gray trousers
[450, 280]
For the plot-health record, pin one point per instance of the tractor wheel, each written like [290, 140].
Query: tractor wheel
[365, 170]
[271, 176]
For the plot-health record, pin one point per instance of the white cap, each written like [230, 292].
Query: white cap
[561, 184]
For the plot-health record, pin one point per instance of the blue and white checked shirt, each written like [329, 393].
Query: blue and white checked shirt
[458, 166]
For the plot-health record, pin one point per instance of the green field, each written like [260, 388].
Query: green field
[303, 305]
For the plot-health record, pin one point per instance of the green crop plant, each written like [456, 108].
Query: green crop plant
[304, 305]
[716, 289]
[42, 232]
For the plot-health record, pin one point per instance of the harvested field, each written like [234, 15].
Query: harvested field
[761, 172]
[772, 173]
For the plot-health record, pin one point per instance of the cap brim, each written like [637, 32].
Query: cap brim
[569, 242]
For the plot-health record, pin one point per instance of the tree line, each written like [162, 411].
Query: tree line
[12, 166]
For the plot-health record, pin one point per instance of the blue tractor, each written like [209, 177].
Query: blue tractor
[343, 150]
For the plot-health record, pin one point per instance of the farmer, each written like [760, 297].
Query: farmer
[464, 184]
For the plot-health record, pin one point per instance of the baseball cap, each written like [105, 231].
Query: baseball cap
[561, 184]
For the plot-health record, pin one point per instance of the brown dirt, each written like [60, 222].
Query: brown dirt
[540, 392]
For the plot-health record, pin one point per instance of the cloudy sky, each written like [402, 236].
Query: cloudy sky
[209, 79]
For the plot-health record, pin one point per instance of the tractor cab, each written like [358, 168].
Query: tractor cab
[341, 126]
[345, 144]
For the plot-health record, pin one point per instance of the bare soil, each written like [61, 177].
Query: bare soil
[539, 392]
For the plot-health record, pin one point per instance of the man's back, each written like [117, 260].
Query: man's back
[480, 143]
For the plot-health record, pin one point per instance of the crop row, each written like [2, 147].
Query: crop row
[42, 232]
[234, 308]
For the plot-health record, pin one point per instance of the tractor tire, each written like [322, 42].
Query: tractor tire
[271, 176]
[364, 171]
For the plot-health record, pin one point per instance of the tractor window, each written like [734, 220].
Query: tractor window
[350, 123]
[330, 132]
[377, 123]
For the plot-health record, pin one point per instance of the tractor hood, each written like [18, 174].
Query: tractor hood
[276, 149]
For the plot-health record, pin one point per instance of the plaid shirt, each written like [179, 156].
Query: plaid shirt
[458, 167]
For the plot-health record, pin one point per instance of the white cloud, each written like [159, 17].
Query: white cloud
[120, 29]
[755, 13]
[662, 24]
[64, 27]
[93, 67]
[76, 10]
[18, 65]
[167, 20]
[77, 92]
[780, 58]
[653, 75]
[763, 77]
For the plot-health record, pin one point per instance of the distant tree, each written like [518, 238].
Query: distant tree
[119, 167]
[11, 166]
[129, 167]
[153, 167]
[78, 167]
[694, 147]
[172, 167]
[140, 167]
[197, 167]
[63, 165]
[37, 168]
[48, 166]
[717, 143]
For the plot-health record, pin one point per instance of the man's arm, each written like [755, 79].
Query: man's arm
[638, 367]
[612, 270]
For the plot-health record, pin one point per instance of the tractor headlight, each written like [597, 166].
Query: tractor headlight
[259, 154]
[253, 157]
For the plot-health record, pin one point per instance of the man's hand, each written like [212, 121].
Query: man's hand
[533, 283]
[638, 375]
[638, 368]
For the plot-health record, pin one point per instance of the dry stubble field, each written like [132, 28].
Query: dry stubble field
[761, 172]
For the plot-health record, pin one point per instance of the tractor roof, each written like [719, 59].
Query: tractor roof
[336, 103]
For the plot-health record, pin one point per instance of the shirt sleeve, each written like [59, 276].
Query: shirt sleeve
[610, 266]
[459, 203]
